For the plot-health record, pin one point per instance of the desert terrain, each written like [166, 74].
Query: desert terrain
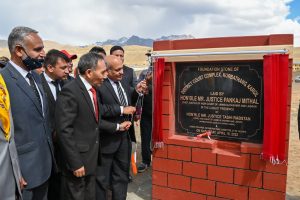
[134, 55]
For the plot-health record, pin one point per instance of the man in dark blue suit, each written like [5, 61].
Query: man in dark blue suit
[29, 111]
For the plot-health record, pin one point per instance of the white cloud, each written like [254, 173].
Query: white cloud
[83, 22]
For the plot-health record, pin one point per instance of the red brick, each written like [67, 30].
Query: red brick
[261, 165]
[159, 178]
[165, 165]
[232, 191]
[255, 194]
[185, 141]
[167, 108]
[161, 153]
[167, 78]
[167, 134]
[251, 148]
[179, 182]
[216, 198]
[194, 170]
[275, 182]
[241, 161]
[179, 153]
[203, 186]
[167, 93]
[164, 193]
[165, 124]
[248, 178]
[203, 156]
[222, 174]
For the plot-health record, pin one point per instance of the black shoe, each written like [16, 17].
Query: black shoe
[142, 167]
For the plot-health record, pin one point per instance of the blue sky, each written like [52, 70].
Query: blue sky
[79, 22]
[294, 9]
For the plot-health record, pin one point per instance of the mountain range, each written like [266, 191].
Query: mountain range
[125, 41]
[136, 40]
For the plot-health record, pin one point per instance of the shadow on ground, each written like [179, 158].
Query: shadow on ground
[289, 197]
[141, 186]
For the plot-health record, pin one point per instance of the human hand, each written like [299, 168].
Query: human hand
[23, 183]
[142, 87]
[128, 110]
[124, 126]
[79, 172]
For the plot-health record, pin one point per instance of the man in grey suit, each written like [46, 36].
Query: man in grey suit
[29, 111]
[10, 176]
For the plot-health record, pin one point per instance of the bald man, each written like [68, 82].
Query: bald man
[115, 147]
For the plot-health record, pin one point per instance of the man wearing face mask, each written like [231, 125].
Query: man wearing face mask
[29, 111]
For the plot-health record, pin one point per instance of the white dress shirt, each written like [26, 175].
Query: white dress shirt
[51, 85]
[88, 87]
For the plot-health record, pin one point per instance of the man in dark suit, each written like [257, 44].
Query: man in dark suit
[77, 119]
[56, 70]
[115, 146]
[146, 121]
[29, 111]
[129, 79]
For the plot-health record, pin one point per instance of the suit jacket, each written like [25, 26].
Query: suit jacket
[77, 128]
[110, 141]
[32, 132]
[147, 101]
[9, 166]
[51, 102]
[129, 78]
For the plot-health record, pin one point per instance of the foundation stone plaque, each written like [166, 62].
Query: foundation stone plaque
[225, 98]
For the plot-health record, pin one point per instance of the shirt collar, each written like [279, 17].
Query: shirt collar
[112, 82]
[87, 85]
[48, 79]
[22, 71]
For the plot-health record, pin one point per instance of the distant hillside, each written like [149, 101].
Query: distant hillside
[3, 43]
[134, 55]
[136, 40]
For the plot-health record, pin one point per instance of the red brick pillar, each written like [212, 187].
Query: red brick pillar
[209, 169]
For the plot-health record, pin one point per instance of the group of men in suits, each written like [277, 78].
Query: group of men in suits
[72, 138]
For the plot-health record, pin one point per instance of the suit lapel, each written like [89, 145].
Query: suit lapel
[111, 90]
[86, 96]
[25, 87]
[47, 89]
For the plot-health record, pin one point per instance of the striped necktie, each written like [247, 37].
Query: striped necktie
[121, 94]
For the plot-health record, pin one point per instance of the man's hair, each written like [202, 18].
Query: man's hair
[115, 48]
[3, 61]
[88, 61]
[52, 56]
[17, 36]
[97, 49]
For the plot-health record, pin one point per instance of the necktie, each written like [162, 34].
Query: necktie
[55, 83]
[95, 103]
[121, 94]
[34, 88]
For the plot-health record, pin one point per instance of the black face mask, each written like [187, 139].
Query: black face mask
[32, 63]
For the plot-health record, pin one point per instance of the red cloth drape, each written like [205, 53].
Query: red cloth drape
[157, 136]
[275, 107]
